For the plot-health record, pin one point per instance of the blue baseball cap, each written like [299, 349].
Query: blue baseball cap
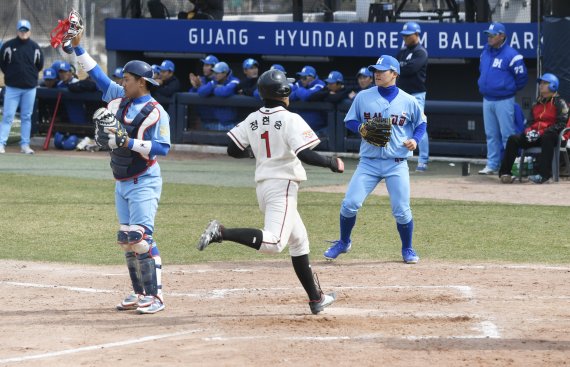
[24, 23]
[249, 63]
[278, 67]
[410, 28]
[221, 67]
[50, 74]
[155, 69]
[386, 62]
[365, 72]
[496, 28]
[210, 60]
[335, 77]
[167, 65]
[307, 71]
[64, 66]
[118, 73]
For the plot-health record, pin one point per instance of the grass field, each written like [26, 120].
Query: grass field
[50, 213]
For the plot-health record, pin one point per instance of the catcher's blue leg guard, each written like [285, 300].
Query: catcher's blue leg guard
[148, 271]
[132, 263]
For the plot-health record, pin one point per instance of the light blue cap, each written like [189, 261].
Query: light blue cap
[118, 73]
[365, 72]
[410, 28]
[24, 23]
[496, 28]
[221, 67]
[167, 65]
[210, 60]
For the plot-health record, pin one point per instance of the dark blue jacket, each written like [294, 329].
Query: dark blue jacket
[413, 69]
[503, 72]
[21, 62]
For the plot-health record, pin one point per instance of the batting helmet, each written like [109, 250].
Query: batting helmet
[273, 84]
[552, 81]
[58, 139]
[70, 142]
[140, 68]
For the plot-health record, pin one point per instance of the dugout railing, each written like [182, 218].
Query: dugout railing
[455, 127]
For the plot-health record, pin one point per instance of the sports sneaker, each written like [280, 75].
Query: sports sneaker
[422, 167]
[507, 179]
[2, 149]
[130, 302]
[325, 301]
[338, 247]
[155, 306]
[212, 233]
[26, 149]
[410, 256]
[538, 179]
[145, 301]
[487, 171]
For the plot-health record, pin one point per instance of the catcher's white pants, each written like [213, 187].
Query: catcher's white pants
[283, 224]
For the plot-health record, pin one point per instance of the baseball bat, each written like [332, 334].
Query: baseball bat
[52, 122]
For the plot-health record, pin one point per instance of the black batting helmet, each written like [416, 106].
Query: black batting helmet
[273, 84]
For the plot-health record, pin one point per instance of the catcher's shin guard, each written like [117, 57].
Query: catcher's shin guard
[134, 272]
[148, 271]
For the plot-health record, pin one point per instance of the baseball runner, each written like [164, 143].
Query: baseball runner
[136, 130]
[280, 140]
[391, 124]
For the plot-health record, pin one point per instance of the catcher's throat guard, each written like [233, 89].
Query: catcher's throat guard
[65, 30]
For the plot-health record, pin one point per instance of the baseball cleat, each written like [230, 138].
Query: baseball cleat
[213, 233]
[325, 301]
[338, 247]
[155, 306]
[130, 302]
[422, 167]
[410, 256]
[487, 171]
[145, 301]
[507, 179]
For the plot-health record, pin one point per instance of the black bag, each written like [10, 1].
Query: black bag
[157, 9]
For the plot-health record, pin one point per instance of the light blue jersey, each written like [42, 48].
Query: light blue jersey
[406, 115]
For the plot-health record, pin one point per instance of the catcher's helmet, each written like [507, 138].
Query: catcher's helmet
[142, 69]
[552, 81]
[273, 84]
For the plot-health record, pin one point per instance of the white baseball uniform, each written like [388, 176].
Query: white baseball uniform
[276, 136]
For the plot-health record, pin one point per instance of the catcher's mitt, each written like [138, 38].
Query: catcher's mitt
[66, 30]
[376, 131]
[109, 132]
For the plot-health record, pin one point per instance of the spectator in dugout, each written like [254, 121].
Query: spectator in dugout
[207, 74]
[307, 85]
[248, 85]
[365, 80]
[224, 85]
[334, 92]
[547, 118]
[117, 75]
[75, 110]
[49, 78]
[168, 82]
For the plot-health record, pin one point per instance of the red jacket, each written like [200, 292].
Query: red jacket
[548, 114]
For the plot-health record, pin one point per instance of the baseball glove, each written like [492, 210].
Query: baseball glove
[376, 131]
[66, 30]
[109, 132]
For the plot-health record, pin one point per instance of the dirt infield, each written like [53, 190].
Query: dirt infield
[255, 313]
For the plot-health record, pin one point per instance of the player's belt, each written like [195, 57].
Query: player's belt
[397, 160]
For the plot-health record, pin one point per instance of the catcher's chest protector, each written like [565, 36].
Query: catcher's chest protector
[125, 163]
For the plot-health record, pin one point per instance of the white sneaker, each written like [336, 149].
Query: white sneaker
[26, 149]
[156, 306]
[2, 149]
[487, 171]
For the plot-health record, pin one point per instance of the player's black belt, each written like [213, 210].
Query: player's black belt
[397, 160]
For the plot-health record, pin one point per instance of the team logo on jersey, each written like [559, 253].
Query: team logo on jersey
[164, 131]
[398, 120]
[308, 134]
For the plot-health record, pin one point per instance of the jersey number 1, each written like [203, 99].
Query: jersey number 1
[265, 136]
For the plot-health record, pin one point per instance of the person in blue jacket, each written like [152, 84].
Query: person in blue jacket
[223, 84]
[208, 64]
[502, 74]
[307, 85]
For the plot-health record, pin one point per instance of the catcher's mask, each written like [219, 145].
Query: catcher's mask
[273, 84]
[142, 69]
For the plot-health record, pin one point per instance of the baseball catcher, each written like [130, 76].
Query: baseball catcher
[66, 30]
[376, 131]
